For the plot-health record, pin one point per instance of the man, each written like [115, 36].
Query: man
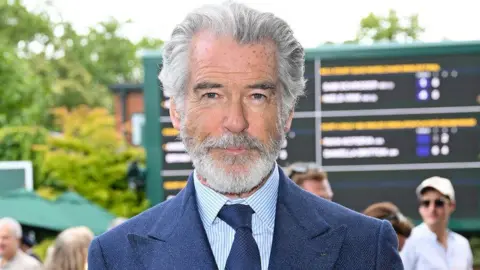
[11, 256]
[432, 245]
[311, 178]
[234, 75]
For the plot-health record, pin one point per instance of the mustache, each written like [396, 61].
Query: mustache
[230, 140]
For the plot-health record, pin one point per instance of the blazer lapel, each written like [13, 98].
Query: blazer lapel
[177, 240]
[302, 238]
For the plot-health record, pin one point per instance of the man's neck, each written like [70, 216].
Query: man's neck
[5, 259]
[442, 234]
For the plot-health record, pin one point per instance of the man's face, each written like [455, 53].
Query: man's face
[435, 208]
[8, 242]
[319, 188]
[231, 126]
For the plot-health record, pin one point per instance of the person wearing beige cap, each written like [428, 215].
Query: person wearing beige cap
[431, 244]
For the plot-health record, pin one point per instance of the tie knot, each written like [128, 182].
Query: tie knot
[237, 215]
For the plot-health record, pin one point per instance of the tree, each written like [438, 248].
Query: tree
[23, 97]
[46, 64]
[391, 28]
[20, 100]
[20, 27]
[90, 157]
[89, 63]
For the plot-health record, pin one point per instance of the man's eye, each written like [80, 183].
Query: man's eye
[258, 96]
[211, 95]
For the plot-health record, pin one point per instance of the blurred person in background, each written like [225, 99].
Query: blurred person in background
[311, 177]
[11, 256]
[70, 250]
[432, 245]
[388, 211]
[27, 244]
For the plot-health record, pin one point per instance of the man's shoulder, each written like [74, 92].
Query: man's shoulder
[368, 241]
[28, 262]
[461, 240]
[338, 215]
[140, 224]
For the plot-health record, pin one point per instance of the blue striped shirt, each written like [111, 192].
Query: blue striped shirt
[220, 234]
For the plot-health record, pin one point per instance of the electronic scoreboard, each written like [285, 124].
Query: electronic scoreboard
[379, 119]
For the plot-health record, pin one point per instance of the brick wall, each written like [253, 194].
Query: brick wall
[134, 104]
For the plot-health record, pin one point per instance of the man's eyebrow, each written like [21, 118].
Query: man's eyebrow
[265, 85]
[206, 85]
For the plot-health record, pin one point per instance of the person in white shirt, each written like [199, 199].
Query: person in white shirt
[432, 245]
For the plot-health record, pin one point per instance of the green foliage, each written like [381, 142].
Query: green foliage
[475, 245]
[45, 64]
[17, 24]
[91, 157]
[87, 63]
[390, 28]
[41, 249]
[21, 101]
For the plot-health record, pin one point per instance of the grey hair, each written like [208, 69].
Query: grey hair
[246, 26]
[13, 225]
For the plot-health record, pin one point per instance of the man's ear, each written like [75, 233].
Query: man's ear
[174, 114]
[453, 206]
[288, 123]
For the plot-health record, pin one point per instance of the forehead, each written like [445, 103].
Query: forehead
[210, 51]
[316, 182]
[432, 193]
[5, 230]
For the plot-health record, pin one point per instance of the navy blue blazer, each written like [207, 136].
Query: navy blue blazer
[309, 233]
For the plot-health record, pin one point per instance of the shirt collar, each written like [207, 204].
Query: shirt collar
[263, 201]
[431, 235]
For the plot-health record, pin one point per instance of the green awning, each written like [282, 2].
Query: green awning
[68, 210]
[82, 212]
[30, 209]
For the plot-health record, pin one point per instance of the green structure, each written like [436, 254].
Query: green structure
[68, 210]
[418, 103]
[15, 174]
[152, 140]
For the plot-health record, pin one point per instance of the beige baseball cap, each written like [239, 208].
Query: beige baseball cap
[442, 185]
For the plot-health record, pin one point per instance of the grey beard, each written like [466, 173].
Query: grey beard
[226, 182]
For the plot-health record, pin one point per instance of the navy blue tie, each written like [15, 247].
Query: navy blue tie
[244, 253]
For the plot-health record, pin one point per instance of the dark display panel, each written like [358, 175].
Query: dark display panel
[417, 82]
[400, 139]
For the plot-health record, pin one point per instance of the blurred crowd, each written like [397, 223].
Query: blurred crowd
[68, 252]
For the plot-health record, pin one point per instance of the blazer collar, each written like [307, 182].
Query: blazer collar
[177, 237]
[302, 237]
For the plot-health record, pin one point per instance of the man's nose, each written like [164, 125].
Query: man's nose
[235, 120]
